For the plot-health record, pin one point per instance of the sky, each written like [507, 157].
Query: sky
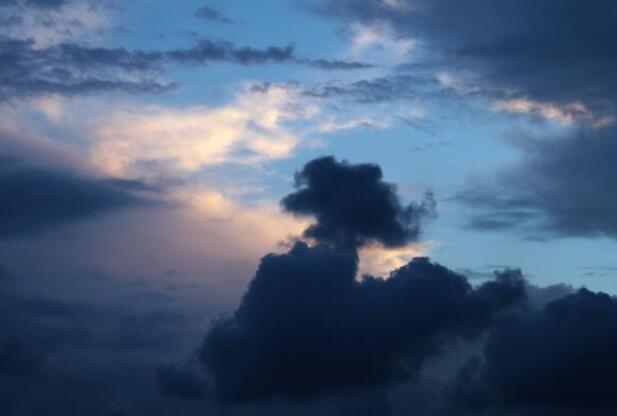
[320, 207]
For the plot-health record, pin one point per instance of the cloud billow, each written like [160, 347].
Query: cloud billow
[353, 206]
[308, 327]
[558, 358]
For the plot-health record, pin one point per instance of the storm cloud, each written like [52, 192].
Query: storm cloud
[353, 206]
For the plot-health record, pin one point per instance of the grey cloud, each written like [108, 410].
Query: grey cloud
[211, 14]
[35, 199]
[564, 186]
[530, 47]
[72, 69]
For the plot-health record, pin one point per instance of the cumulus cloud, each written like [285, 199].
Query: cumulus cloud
[306, 326]
[558, 357]
[353, 206]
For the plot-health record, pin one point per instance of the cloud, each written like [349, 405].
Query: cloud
[529, 51]
[180, 382]
[562, 187]
[207, 50]
[353, 206]
[329, 64]
[70, 70]
[307, 327]
[18, 358]
[558, 357]
[37, 199]
[254, 128]
[568, 114]
[52, 22]
[210, 14]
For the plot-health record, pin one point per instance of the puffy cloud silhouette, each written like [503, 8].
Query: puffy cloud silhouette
[559, 357]
[353, 206]
[306, 326]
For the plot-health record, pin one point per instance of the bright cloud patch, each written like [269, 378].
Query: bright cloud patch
[254, 128]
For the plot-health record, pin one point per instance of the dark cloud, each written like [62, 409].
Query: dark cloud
[36, 199]
[306, 326]
[208, 13]
[532, 48]
[46, 4]
[559, 357]
[391, 88]
[353, 206]
[18, 358]
[334, 65]
[71, 68]
[206, 50]
[39, 4]
[564, 186]
[179, 382]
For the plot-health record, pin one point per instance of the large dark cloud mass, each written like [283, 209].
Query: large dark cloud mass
[35, 199]
[559, 357]
[534, 48]
[353, 206]
[306, 326]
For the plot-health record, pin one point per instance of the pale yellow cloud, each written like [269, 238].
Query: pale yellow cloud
[567, 114]
[380, 261]
[254, 128]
